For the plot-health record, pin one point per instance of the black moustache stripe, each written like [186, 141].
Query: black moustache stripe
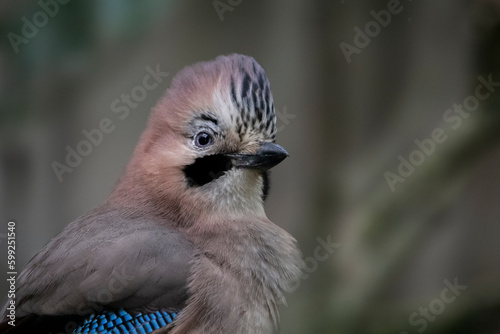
[207, 169]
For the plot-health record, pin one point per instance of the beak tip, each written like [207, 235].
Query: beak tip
[267, 156]
[274, 154]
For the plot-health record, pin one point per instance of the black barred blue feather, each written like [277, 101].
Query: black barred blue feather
[122, 322]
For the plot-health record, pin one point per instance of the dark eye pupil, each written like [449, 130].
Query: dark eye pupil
[203, 139]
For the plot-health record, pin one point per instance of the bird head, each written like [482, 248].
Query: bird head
[210, 140]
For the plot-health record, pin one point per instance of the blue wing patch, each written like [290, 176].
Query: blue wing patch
[121, 322]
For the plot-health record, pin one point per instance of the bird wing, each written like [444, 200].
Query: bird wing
[107, 258]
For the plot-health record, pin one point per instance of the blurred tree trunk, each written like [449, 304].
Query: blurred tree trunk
[389, 238]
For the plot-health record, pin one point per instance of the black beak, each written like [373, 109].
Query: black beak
[267, 156]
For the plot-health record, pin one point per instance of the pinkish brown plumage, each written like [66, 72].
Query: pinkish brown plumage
[186, 221]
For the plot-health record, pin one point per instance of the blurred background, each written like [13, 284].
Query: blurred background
[389, 109]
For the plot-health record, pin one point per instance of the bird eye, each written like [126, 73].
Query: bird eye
[203, 139]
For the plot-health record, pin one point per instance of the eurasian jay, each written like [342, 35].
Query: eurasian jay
[182, 244]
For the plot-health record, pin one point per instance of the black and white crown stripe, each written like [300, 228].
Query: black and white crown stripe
[251, 94]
